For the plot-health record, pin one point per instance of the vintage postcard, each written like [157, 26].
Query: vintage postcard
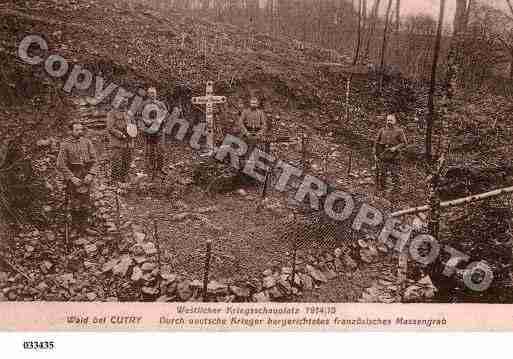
[174, 165]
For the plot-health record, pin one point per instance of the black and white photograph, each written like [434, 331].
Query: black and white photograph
[256, 151]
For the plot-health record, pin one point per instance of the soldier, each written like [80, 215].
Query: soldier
[154, 114]
[387, 145]
[120, 145]
[253, 126]
[77, 161]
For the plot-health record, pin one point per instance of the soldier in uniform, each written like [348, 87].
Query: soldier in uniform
[154, 114]
[77, 161]
[253, 126]
[387, 145]
[120, 145]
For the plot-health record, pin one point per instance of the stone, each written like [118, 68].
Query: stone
[12, 296]
[382, 247]
[316, 274]
[184, 291]
[330, 274]
[180, 216]
[269, 282]
[170, 277]
[88, 265]
[149, 291]
[3, 277]
[148, 266]
[261, 297]
[241, 292]
[139, 237]
[367, 298]
[386, 299]
[207, 209]
[137, 250]
[137, 274]
[413, 293]
[90, 249]
[164, 298]
[426, 281]
[155, 272]
[122, 267]
[285, 286]
[217, 287]
[276, 293]
[66, 279]
[109, 265]
[149, 248]
[81, 241]
[42, 286]
[362, 243]
[349, 262]
[171, 288]
[140, 259]
[46, 265]
[91, 296]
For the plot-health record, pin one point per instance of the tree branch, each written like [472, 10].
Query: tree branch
[510, 5]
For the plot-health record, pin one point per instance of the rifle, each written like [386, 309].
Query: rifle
[383, 153]
[268, 172]
[67, 223]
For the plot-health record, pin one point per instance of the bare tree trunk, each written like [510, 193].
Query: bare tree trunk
[359, 35]
[384, 45]
[374, 16]
[397, 16]
[459, 17]
[397, 29]
[467, 14]
[364, 13]
[511, 65]
[431, 102]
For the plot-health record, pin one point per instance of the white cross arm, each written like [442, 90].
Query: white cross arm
[208, 99]
[218, 99]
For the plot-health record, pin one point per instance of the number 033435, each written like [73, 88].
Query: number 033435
[38, 345]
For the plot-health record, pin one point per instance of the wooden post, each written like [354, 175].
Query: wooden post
[206, 269]
[402, 273]
[304, 151]
[348, 92]
[294, 255]
[431, 104]
[434, 199]
[157, 244]
[326, 157]
[267, 173]
[118, 214]
[349, 163]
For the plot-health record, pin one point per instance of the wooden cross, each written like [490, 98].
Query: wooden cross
[209, 100]
[184, 36]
